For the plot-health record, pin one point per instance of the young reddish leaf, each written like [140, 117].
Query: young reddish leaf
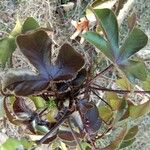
[131, 133]
[137, 111]
[29, 24]
[115, 144]
[135, 41]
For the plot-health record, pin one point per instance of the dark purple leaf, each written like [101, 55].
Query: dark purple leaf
[36, 47]
[21, 110]
[10, 117]
[67, 65]
[67, 135]
[23, 82]
[80, 78]
[90, 116]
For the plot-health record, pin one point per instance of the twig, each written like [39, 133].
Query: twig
[101, 99]
[100, 73]
[118, 91]
[75, 137]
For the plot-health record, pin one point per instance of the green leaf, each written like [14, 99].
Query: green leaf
[105, 113]
[146, 83]
[135, 70]
[98, 41]
[84, 145]
[137, 111]
[38, 101]
[126, 143]
[13, 144]
[108, 22]
[124, 84]
[121, 110]
[135, 41]
[30, 24]
[113, 100]
[131, 133]
[17, 29]
[7, 47]
[115, 144]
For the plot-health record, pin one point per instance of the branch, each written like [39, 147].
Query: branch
[117, 91]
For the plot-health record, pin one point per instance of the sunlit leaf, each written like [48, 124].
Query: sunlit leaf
[30, 24]
[99, 4]
[39, 102]
[105, 113]
[13, 144]
[146, 83]
[124, 84]
[140, 110]
[7, 47]
[17, 29]
[113, 100]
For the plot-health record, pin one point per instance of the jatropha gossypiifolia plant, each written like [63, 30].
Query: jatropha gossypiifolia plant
[62, 89]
